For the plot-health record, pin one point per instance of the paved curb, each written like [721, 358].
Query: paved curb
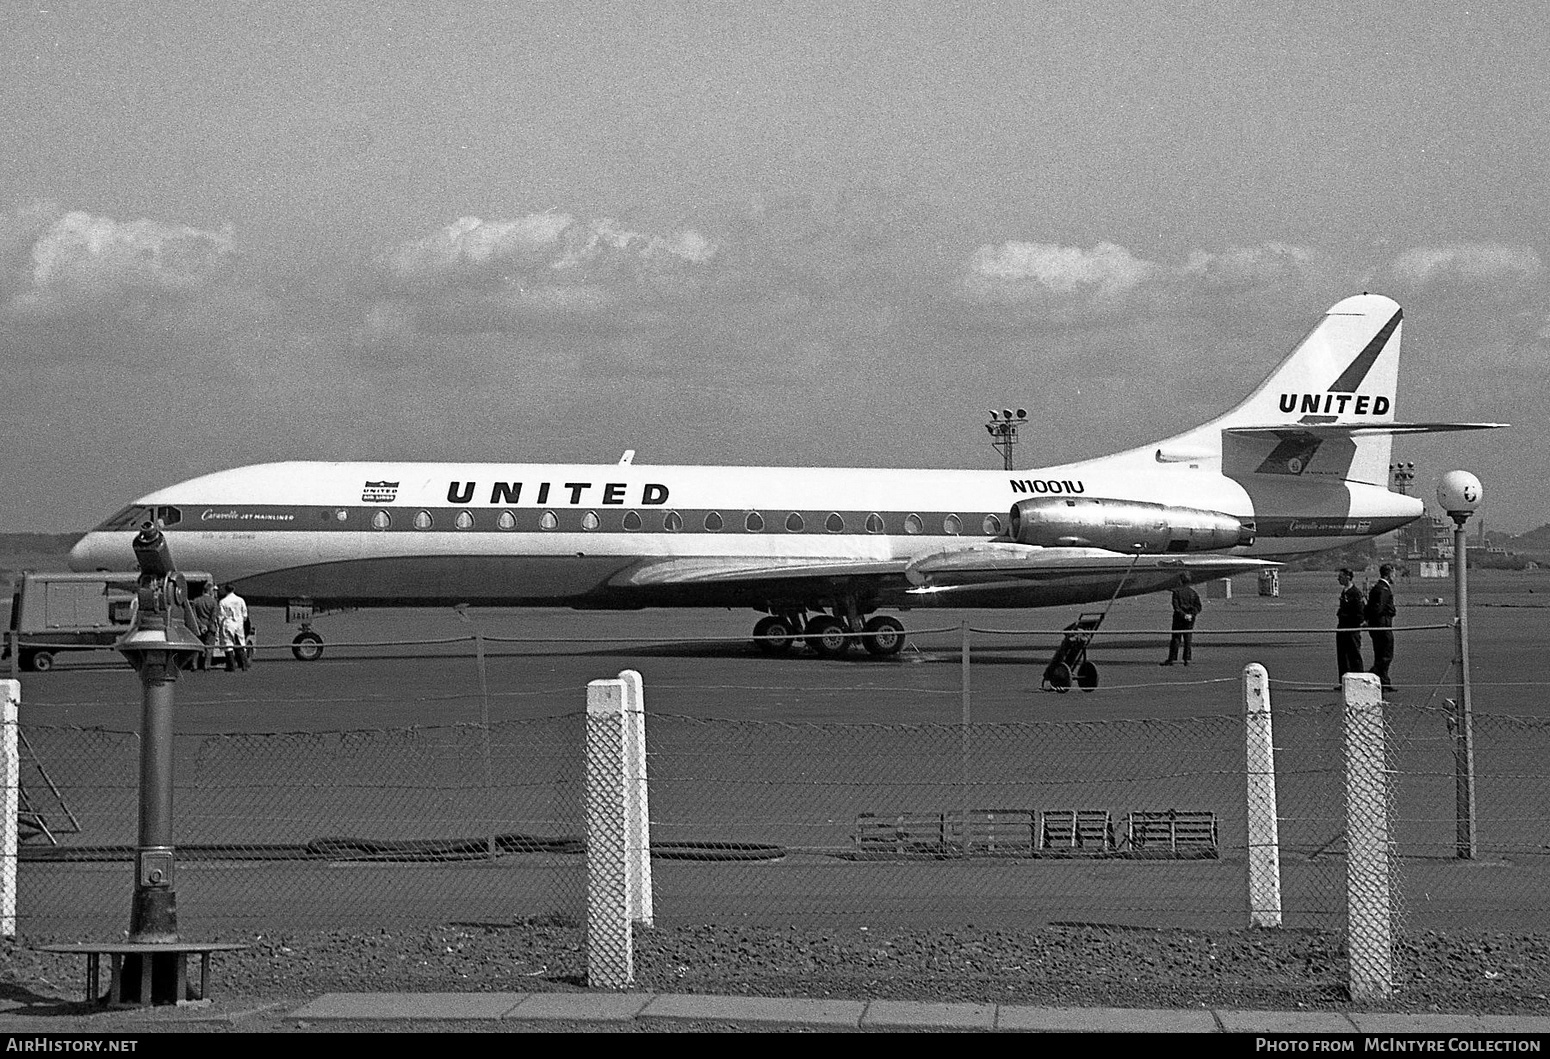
[885, 1014]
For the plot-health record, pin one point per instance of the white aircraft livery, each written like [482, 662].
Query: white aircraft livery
[1300, 465]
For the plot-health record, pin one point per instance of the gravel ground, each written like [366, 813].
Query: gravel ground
[1477, 973]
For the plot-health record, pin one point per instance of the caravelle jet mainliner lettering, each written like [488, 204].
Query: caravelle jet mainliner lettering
[651, 494]
[211, 515]
[1336, 403]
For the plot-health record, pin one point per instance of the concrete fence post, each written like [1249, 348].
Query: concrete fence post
[610, 943]
[1369, 911]
[637, 810]
[10, 792]
[1264, 836]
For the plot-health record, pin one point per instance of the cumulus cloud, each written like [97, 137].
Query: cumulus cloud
[537, 249]
[535, 272]
[1471, 264]
[469, 248]
[66, 264]
[1244, 269]
[1021, 272]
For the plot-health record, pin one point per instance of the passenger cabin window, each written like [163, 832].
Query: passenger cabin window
[464, 520]
[589, 521]
[342, 515]
[794, 523]
[381, 520]
[834, 524]
[874, 523]
[672, 522]
[422, 520]
[713, 521]
[548, 521]
[952, 524]
[912, 523]
[991, 525]
[754, 522]
[632, 520]
[506, 521]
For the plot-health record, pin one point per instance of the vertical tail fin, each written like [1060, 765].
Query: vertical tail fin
[1344, 373]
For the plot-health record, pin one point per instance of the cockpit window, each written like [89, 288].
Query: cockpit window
[130, 518]
[169, 516]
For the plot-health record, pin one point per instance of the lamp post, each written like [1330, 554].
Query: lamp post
[1003, 432]
[1459, 493]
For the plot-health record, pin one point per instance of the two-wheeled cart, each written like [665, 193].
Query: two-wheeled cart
[1070, 665]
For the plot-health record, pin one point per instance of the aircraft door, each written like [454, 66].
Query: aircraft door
[339, 537]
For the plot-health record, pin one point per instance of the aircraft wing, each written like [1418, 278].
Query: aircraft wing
[1350, 430]
[715, 569]
[1002, 561]
[966, 565]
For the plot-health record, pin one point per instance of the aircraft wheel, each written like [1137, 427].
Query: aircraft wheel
[307, 647]
[38, 661]
[826, 635]
[1058, 677]
[1087, 676]
[775, 635]
[884, 636]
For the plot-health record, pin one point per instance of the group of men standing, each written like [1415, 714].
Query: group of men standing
[1377, 613]
[224, 626]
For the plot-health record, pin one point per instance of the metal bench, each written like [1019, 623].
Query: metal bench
[140, 987]
[1076, 833]
[954, 833]
[1180, 835]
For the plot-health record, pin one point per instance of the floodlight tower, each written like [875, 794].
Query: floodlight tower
[1459, 493]
[1402, 474]
[1003, 432]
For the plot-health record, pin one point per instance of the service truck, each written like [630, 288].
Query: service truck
[54, 612]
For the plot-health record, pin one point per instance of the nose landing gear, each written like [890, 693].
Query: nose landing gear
[307, 646]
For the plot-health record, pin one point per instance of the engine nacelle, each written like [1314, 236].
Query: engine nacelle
[1125, 526]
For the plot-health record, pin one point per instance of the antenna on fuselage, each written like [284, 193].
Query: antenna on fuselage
[628, 458]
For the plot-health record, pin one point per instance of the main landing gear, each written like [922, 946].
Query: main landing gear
[829, 636]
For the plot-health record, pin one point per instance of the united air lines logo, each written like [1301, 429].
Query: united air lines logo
[379, 493]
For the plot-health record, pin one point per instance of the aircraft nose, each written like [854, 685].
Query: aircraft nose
[81, 556]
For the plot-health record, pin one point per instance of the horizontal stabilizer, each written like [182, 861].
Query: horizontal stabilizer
[1354, 430]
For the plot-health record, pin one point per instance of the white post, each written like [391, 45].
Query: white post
[1264, 835]
[610, 944]
[637, 813]
[10, 802]
[1369, 915]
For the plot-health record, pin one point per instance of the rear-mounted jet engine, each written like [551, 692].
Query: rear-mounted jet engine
[1125, 526]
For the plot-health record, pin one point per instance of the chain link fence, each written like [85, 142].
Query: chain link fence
[1142, 823]
[1131, 822]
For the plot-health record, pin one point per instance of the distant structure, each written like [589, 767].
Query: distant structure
[1423, 548]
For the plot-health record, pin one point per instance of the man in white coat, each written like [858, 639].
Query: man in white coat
[234, 628]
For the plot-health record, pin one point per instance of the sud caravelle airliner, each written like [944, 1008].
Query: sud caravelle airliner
[1301, 465]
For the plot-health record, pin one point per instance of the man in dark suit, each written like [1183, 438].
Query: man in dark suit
[1186, 606]
[1348, 618]
[1380, 618]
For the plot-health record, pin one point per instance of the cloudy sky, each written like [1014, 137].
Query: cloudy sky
[739, 232]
